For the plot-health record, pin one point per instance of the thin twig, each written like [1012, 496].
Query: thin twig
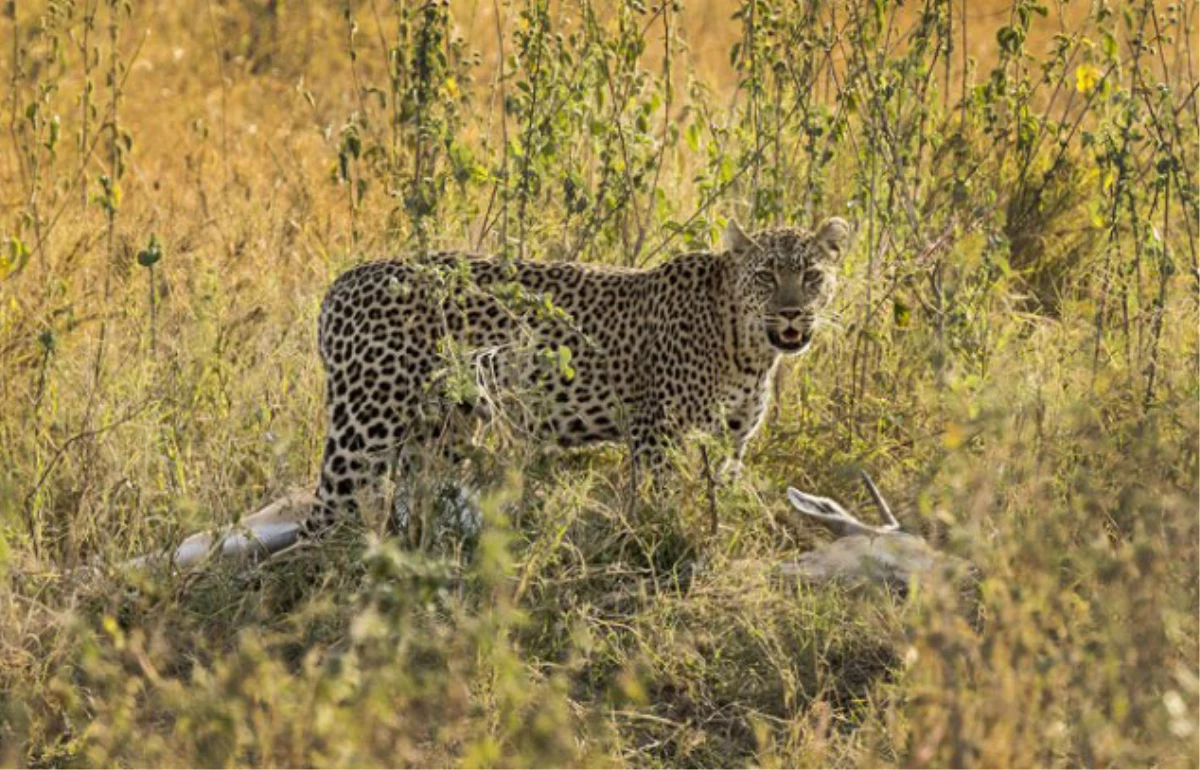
[713, 520]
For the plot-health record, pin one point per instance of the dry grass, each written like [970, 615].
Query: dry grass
[1039, 418]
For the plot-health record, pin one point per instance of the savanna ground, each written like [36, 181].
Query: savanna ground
[1013, 356]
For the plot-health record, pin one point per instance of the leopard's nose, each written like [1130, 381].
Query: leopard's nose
[790, 314]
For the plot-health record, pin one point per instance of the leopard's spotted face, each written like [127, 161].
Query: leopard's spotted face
[785, 278]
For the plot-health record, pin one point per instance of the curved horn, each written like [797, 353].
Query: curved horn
[832, 515]
[884, 508]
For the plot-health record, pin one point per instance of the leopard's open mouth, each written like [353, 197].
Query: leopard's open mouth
[790, 340]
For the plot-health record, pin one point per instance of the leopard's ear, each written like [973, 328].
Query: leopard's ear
[735, 238]
[833, 238]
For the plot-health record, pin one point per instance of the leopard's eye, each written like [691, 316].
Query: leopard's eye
[765, 276]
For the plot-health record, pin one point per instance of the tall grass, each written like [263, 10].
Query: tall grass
[1013, 354]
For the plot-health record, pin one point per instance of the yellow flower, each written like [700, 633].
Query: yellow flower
[1086, 77]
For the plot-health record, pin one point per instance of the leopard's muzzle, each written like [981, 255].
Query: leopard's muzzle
[790, 331]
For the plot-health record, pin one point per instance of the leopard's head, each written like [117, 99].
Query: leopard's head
[784, 279]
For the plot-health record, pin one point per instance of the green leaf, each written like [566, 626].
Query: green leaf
[14, 258]
[152, 254]
[52, 139]
[1109, 45]
[564, 362]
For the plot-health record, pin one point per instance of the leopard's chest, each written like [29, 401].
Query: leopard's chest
[742, 399]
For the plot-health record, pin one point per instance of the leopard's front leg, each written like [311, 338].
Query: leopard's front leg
[652, 437]
[742, 422]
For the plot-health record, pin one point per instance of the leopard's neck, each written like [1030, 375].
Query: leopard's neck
[747, 351]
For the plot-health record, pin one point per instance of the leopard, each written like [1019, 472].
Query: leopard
[655, 354]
